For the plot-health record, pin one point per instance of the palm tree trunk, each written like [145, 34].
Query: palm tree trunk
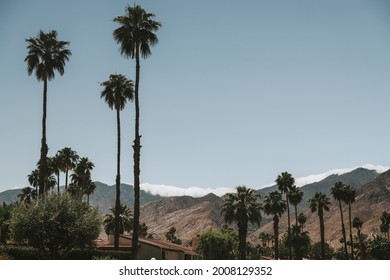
[343, 231]
[350, 230]
[276, 236]
[242, 232]
[137, 151]
[296, 215]
[44, 148]
[322, 232]
[118, 185]
[66, 178]
[288, 229]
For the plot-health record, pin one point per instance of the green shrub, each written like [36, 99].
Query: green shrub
[56, 223]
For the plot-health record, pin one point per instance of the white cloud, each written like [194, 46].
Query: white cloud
[165, 190]
[318, 177]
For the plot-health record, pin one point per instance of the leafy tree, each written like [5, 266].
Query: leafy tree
[135, 36]
[320, 251]
[285, 182]
[68, 160]
[349, 198]
[170, 235]
[116, 93]
[5, 215]
[46, 54]
[243, 208]
[378, 248]
[125, 218]
[276, 206]
[217, 245]
[57, 223]
[320, 202]
[338, 193]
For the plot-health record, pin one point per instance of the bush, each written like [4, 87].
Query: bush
[217, 245]
[56, 223]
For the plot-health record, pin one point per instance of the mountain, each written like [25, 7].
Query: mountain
[372, 198]
[356, 178]
[103, 196]
[192, 215]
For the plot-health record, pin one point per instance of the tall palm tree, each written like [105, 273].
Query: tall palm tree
[349, 198]
[69, 159]
[117, 91]
[320, 202]
[285, 182]
[276, 206]
[46, 54]
[338, 193]
[242, 207]
[135, 36]
[295, 197]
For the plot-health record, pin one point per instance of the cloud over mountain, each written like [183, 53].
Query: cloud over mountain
[166, 190]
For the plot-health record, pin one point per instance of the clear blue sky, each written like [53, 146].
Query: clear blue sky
[234, 93]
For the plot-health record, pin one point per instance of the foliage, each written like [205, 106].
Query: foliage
[125, 220]
[242, 207]
[171, 236]
[378, 248]
[56, 223]
[30, 253]
[5, 215]
[315, 251]
[217, 245]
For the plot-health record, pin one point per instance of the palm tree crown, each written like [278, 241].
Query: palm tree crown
[117, 91]
[242, 207]
[136, 32]
[46, 55]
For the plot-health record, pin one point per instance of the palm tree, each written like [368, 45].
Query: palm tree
[33, 179]
[300, 241]
[338, 193]
[27, 195]
[242, 207]
[117, 91]
[285, 182]
[302, 220]
[385, 226]
[358, 223]
[56, 168]
[349, 198]
[89, 188]
[69, 159]
[125, 220]
[275, 205]
[320, 202]
[295, 196]
[135, 36]
[82, 174]
[45, 55]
